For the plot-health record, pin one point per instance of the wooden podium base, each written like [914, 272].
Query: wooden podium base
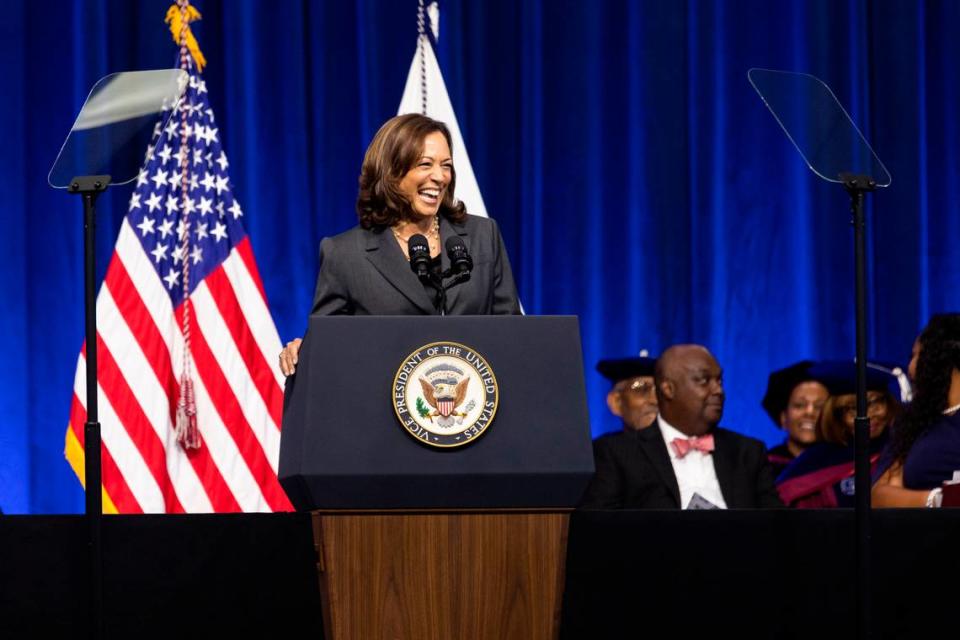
[440, 575]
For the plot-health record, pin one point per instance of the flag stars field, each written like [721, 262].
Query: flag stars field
[153, 202]
[159, 253]
[172, 278]
[146, 226]
[160, 178]
[165, 228]
[219, 231]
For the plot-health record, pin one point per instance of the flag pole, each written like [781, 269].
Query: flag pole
[188, 434]
[421, 46]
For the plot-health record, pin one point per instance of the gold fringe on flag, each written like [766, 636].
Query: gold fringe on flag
[180, 24]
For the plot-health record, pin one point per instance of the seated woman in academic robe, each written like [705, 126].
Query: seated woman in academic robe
[823, 476]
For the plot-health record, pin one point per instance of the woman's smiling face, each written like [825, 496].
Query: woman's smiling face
[425, 184]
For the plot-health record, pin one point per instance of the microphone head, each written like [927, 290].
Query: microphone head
[417, 244]
[460, 260]
[419, 251]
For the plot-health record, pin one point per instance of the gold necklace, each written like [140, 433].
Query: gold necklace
[434, 232]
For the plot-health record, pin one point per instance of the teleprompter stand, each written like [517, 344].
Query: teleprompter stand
[89, 189]
[858, 187]
[104, 147]
[835, 150]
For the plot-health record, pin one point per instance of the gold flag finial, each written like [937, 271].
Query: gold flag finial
[179, 20]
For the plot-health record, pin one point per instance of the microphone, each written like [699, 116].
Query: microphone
[460, 260]
[419, 252]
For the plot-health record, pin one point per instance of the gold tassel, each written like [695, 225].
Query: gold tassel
[174, 19]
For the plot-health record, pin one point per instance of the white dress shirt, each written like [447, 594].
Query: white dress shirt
[695, 472]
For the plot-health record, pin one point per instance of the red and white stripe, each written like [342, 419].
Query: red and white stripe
[445, 407]
[239, 394]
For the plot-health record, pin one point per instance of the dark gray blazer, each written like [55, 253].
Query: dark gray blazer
[364, 272]
[634, 472]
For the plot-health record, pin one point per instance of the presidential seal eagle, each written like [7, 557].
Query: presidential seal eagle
[444, 393]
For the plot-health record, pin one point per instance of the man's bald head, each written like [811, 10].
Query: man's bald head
[671, 360]
[690, 388]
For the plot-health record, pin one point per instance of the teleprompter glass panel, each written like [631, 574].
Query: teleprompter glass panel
[115, 125]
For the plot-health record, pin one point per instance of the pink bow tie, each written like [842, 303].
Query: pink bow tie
[683, 446]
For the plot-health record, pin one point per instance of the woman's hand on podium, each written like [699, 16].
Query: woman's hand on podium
[288, 357]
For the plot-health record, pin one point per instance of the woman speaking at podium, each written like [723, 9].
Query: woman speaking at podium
[406, 205]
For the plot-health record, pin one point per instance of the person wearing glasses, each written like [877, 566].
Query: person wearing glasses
[684, 459]
[633, 397]
[823, 476]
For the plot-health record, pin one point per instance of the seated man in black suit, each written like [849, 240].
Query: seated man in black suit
[684, 460]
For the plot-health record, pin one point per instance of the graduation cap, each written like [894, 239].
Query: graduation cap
[840, 378]
[619, 369]
[781, 384]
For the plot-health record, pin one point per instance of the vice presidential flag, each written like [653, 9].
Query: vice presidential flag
[426, 93]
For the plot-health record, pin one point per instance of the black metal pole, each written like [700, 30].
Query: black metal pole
[458, 278]
[89, 187]
[858, 186]
[442, 293]
[91, 429]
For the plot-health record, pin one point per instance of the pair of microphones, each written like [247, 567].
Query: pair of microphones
[461, 264]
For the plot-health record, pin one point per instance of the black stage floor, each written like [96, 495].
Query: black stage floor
[240, 575]
[746, 574]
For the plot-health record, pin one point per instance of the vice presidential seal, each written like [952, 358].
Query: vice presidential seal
[445, 394]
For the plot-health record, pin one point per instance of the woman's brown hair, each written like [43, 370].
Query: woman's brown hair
[831, 426]
[395, 150]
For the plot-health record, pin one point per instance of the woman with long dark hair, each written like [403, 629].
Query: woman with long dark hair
[407, 183]
[925, 446]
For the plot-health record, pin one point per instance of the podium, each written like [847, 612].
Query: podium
[438, 539]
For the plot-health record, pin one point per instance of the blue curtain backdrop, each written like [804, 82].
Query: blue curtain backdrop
[639, 181]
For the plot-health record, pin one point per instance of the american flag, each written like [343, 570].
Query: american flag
[177, 230]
